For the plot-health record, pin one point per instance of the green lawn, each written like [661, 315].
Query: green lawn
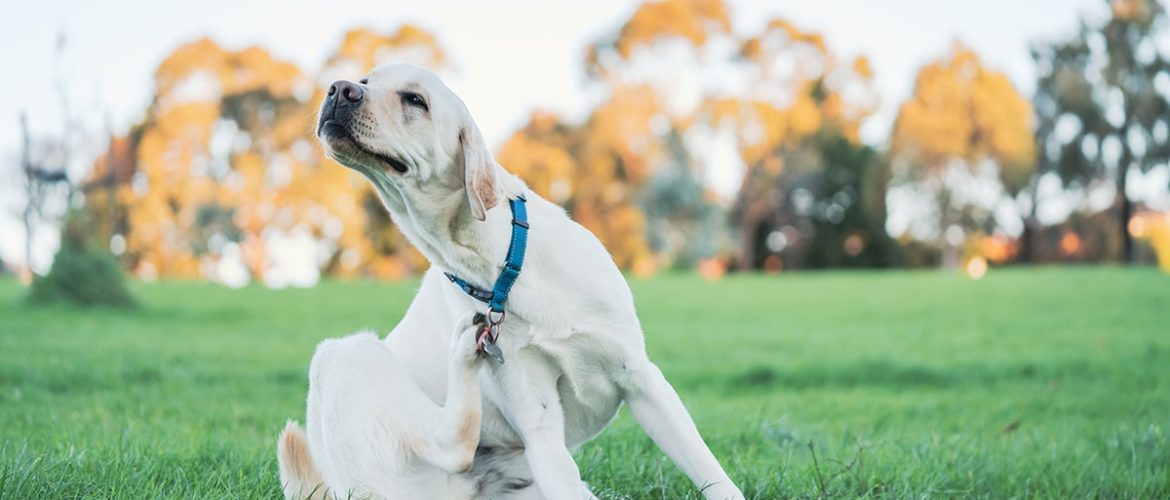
[1048, 382]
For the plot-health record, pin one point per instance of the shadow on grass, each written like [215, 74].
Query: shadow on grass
[887, 374]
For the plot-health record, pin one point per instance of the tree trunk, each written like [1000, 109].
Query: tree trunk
[948, 254]
[1027, 252]
[29, 191]
[1125, 206]
[749, 225]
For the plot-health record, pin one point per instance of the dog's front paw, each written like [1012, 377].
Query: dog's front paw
[464, 346]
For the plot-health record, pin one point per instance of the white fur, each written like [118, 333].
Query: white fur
[572, 341]
[373, 433]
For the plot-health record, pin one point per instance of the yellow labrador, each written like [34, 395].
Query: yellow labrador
[571, 340]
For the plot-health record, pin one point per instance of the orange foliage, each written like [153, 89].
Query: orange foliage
[225, 155]
[595, 168]
[225, 151]
[361, 49]
[590, 170]
[962, 110]
[692, 20]
[791, 104]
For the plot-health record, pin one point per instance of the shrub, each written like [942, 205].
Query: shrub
[81, 275]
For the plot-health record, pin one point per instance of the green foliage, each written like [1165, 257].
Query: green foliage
[1102, 104]
[81, 275]
[827, 203]
[929, 384]
[1104, 85]
[853, 181]
[681, 219]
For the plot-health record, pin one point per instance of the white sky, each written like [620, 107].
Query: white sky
[512, 55]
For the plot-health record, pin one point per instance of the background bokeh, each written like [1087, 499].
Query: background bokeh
[703, 134]
[159, 157]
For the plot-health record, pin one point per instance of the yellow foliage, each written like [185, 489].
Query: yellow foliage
[862, 67]
[592, 170]
[692, 20]
[274, 177]
[816, 88]
[365, 48]
[962, 110]
[1154, 228]
[268, 175]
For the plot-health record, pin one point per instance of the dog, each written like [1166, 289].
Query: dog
[571, 341]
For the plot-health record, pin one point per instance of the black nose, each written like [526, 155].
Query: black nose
[350, 92]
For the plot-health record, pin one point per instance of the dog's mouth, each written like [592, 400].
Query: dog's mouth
[347, 149]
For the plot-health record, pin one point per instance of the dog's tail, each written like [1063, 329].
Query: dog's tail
[298, 475]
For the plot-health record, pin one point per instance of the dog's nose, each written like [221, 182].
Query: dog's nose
[346, 91]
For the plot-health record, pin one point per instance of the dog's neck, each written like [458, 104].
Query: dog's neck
[441, 227]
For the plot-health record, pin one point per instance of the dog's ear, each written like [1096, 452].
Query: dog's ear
[479, 172]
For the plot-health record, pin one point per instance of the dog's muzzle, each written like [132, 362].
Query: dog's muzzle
[341, 102]
[335, 126]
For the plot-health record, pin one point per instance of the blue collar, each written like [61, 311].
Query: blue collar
[496, 297]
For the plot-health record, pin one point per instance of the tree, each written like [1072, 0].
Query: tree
[802, 96]
[596, 168]
[663, 75]
[224, 173]
[684, 219]
[83, 271]
[1103, 104]
[824, 208]
[962, 118]
[46, 170]
[578, 167]
[40, 181]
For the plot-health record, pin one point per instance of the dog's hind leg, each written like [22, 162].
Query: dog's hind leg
[299, 477]
[351, 416]
[374, 434]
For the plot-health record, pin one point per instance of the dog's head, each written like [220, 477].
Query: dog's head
[402, 128]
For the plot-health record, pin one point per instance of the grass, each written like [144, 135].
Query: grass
[1029, 383]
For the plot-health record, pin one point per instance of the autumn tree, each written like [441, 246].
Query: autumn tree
[202, 183]
[572, 166]
[1103, 104]
[226, 170]
[803, 106]
[786, 88]
[963, 122]
[597, 168]
[663, 77]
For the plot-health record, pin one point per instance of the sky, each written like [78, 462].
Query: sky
[512, 56]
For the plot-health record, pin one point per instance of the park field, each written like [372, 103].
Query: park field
[1048, 382]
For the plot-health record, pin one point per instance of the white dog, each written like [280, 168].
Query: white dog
[571, 341]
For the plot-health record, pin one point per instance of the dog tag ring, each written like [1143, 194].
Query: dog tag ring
[485, 341]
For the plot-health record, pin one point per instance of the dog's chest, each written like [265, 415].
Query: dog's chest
[581, 367]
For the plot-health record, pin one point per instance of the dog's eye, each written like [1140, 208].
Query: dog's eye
[413, 99]
[364, 81]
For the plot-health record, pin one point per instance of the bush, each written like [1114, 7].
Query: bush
[81, 275]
